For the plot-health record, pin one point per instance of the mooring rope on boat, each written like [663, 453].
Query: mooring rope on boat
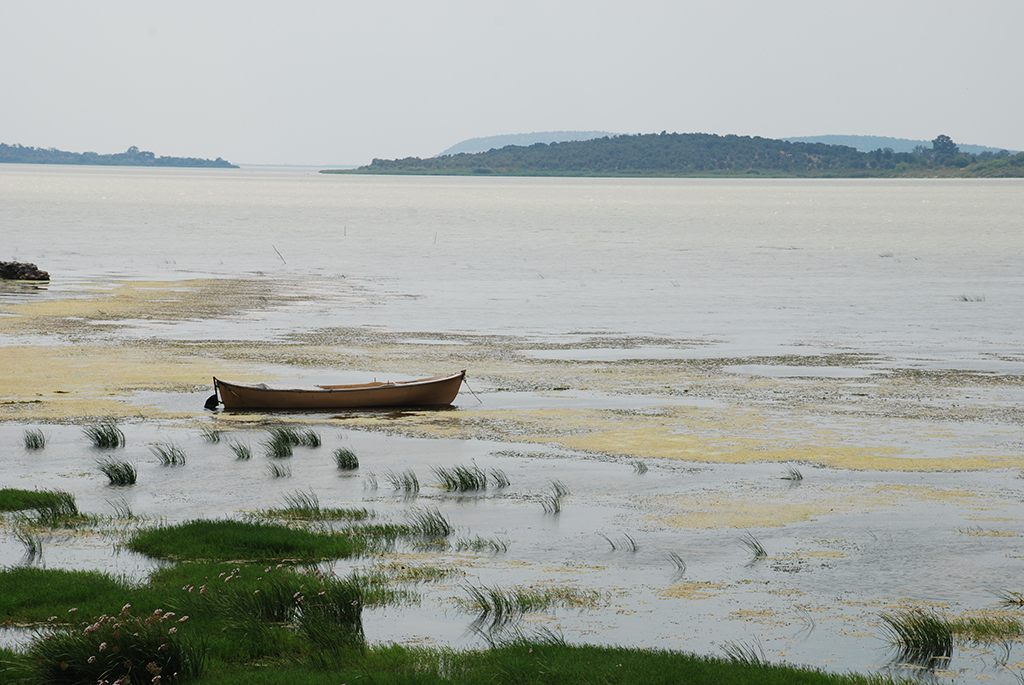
[471, 390]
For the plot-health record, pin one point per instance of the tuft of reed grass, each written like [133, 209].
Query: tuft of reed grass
[35, 439]
[678, 562]
[552, 502]
[405, 481]
[242, 450]
[501, 607]
[211, 435]
[793, 474]
[32, 542]
[499, 479]
[461, 478]
[430, 523]
[754, 545]
[168, 453]
[740, 653]
[922, 637]
[1011, 598]
[479, 544]
[57, 510]
[346, 459]
[640, 467]
[118, 472]
[277, 444]
[122, 509]
[277, 470]
[105, 434]
[969, 298]
[309, 438]
[370, 481]
[627, 543]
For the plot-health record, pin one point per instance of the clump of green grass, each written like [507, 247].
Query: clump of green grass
[461, 478]
[309, 438]
[35, 439]
[105, 434]
[121, 648]
[969, 298]
[14, 499]
[640, 467]
[57, 510]
[278, 445]
[231, 540]
[754, 545]
[211, 435]
[370, 481]
[552, 502]
[430, 523]
[346, 459]
[277, 470]
[168, 453]
[405, 481]
[922, 637]
[986, 629]
[242, 450]
[119, 472]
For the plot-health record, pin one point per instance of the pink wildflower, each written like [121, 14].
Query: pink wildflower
[92, 659]
[173, 630]
[183, 618]
[103, 645]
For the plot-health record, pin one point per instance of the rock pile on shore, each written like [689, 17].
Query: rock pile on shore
[22, 272]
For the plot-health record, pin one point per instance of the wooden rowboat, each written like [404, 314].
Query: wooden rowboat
[425, 392]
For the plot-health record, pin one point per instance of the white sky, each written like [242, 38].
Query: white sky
[335, 82]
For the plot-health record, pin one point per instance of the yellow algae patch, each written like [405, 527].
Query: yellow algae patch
[200, 298]
[683, 433]
[754, 507]
[694, 590]
[62, 381]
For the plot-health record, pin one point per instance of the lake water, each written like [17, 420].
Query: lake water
[715, 329]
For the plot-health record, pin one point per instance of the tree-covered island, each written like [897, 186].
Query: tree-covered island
[708, 155]
[133, 156]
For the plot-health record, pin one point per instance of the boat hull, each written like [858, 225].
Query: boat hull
[425, 392]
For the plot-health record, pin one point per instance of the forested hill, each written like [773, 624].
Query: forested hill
[133, 156]
[703, 154]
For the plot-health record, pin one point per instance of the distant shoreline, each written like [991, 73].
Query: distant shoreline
[702, 155]
[133, 156]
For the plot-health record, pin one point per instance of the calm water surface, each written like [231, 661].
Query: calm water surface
[911, 268]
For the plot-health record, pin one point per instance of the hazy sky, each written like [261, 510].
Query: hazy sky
[333, 82]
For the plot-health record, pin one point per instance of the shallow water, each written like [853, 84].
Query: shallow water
[864, 332]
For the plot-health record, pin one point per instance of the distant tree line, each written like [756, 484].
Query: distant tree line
[703, 154]
[133, 156]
